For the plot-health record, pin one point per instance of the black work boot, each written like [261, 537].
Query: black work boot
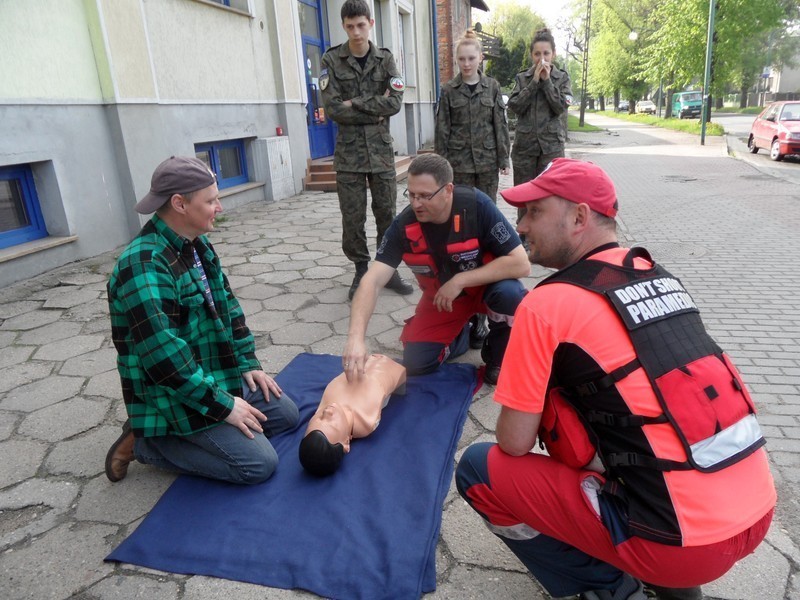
[665, 593]
[478, 330]
[399, 285]
[361, 268]
[491, 372]
[631, 589]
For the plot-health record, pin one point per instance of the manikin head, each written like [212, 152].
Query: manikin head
[327, 440]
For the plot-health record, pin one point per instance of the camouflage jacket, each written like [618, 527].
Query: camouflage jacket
[471, 127]
[363, 143]
[540, 108]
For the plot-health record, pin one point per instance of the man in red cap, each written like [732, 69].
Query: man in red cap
[655, 469]
[197, 399]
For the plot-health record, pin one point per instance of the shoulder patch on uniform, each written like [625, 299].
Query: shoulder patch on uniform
[397, 84]
[323, 79]
[570, 100]
[501, 233]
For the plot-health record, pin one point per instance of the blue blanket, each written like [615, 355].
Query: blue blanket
[369, 531]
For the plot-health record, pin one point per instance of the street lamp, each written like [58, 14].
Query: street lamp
[585, 72]
[707, 78]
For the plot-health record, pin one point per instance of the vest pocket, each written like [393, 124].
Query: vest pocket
[708, 398]
[562, 432]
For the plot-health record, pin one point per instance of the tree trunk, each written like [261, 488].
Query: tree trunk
[668, 105]
[743, 96]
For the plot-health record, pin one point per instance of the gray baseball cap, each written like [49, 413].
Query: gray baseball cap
[176, 175]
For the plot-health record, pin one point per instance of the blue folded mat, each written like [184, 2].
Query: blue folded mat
[369, 531]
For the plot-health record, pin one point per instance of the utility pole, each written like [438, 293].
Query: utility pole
[585, 74]
[706, 79]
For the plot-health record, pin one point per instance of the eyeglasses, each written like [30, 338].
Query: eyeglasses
[421, 197]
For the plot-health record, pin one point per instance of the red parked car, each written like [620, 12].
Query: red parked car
[777, 128]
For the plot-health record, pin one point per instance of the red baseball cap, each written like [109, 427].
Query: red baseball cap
[575, 180]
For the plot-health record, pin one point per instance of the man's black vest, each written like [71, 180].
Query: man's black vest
[700, 391]
[462, 251]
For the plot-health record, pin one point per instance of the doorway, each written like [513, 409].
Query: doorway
[321, 130]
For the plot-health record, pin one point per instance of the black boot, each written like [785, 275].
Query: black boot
[665, 593]
[478, 331]
[491, 372]
[361, 268]
[399, 285]
[631, 589]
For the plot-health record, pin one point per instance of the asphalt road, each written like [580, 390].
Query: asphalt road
[737, 128]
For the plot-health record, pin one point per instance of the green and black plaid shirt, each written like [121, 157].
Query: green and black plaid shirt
[180, 360]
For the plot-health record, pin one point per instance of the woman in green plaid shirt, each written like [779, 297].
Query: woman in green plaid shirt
[197, 399]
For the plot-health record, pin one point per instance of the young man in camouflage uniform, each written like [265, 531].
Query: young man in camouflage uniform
[362, 88]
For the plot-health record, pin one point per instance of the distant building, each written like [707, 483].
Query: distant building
[95, 93]
[776, 84]
[453, 19]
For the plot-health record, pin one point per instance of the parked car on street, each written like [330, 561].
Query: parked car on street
[687, 105]
[623, 106]
[646, 107]
[777, 128]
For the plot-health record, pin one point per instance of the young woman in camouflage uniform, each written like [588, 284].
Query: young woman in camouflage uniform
[471, 127]
[540, 99]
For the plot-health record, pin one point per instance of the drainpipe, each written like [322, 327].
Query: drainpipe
[435, 29]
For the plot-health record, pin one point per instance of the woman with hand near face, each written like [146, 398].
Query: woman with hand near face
[471, 128]
[540, 99]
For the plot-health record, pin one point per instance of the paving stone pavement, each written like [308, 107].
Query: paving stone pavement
[729, 231]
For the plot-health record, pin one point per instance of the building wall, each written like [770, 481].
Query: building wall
[788, 80]
[60, 66]
[95, 93]
[454, 19]
[72, 156]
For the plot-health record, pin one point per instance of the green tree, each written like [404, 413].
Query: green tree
[621, 37]
[514, 22]
[678, 46]
[509, 63]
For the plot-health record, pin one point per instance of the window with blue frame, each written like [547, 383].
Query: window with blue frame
[226, 159]
[20, 215]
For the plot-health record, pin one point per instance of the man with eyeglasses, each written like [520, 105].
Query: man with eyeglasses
[467, 259]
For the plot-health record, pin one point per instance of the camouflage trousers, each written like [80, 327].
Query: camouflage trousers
[486, 182]
[527, 168]
[352, 190]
